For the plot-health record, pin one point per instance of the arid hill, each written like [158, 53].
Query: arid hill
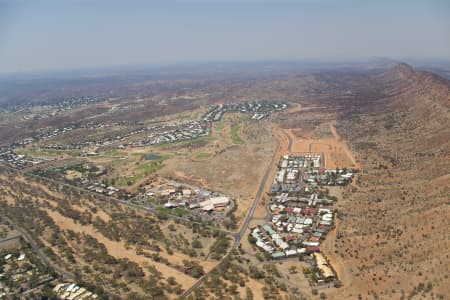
[394, 235]
[391, 239]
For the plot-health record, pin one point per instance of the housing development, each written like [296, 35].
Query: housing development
[180, 200]
[140, 137]
[25, 272]
[301, 213]
[281, 183]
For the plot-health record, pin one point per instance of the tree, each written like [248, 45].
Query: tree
[171, 227]
[171, 280]
[193, 268]
[197, 244]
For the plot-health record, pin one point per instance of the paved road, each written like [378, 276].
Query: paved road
[42, 256]
[258, 196]
[239, 235]
[150, 210]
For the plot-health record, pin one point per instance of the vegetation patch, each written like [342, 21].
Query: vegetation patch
[220, 247]
[203, 155]
[220, 126]
[150, 167]
[203, 140]
[142, 170]
[164, 211]
[235, 137]
[129, 180]
[112, 153]
[47, 152]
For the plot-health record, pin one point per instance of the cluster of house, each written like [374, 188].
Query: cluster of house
[72, 146]
[85, 176]
[56, 105]
[122, 138]
[18, 161]
[71, 291]
[328, 177]
[300, 218]
[290, 166]
[193, 129]
[18, 274]
[294, 230]
[178, 195]
[259, 110]
[9, 256]
[291, 199]
[72, 101]
[101, 188]
[44, 135]
[158, 135]
[296, 170]
[164, 134]
[173, 133]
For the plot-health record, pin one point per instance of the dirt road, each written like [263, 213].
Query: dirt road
[335, 261]
[344, 145]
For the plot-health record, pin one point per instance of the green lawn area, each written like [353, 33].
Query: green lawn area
[111, 153]
[138, 153]
[129, 180]
[221, 125]
[67, 137]
[199, 139]
[234, 135]
[150, 166]
[141, 171]
[119, 162]
[47, 152]
[203, 155]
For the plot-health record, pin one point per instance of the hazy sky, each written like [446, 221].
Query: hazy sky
[66, 34]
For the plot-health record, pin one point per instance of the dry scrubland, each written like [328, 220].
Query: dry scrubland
[394, 236]
[232, 168]
[391, 239]
[114, 249]
[323, 139]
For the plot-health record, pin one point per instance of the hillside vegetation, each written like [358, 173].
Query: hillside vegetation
[394, 234]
